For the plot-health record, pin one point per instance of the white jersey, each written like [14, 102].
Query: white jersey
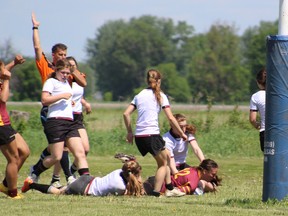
[78, 92]
[148, 111]
[257, 103]
[110, 184]
[61, 108]
[177, 147]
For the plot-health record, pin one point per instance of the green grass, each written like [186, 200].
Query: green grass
[228, 139]
[240, 194]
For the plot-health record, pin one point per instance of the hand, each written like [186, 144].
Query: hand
[66, 96]
[19, 59]
[184, 137]
[129, 137]
[88, 108]
[34, 21]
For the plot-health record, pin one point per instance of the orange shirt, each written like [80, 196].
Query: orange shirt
[45, 68]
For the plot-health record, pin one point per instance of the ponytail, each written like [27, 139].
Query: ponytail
[131, 171]
[153, 80]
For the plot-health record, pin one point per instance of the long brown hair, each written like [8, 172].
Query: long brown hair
[190, 129]
[132, 173]
[153, 76]
[261, 77]
[208, 165]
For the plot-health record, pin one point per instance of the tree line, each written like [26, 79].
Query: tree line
[218, 65]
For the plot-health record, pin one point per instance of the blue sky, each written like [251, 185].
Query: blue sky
[73, 22]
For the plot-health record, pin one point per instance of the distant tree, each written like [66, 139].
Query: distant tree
[7, 51]
[25, 83]
[90, 89]
[215, 66]
[122, 51]
[254, 48]
[175, 86]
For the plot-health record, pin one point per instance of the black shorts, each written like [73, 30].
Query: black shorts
[58, 130]
[43, 115]
[79, 185]
[182, 166]
[78, 121]
[7, 134]
[150, 143]
[261, 137]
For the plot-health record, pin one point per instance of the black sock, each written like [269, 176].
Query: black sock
[39, 169]
[169, 186]
[73, 168]
[65, 164]
[40, 187]
[155, 193]
[44, 154]
[5, 182]
[84, 171]
[55, 178]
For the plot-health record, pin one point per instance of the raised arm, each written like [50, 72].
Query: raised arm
[17, 60]
[36, 38]
[5, 76]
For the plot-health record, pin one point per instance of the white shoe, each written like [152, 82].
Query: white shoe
[174, 193]
[56, 184]
[71, 179]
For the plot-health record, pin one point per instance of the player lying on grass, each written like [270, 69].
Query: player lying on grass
[125, 181]
[192, 180]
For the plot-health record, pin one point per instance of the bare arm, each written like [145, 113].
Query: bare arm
[5, 75]
[17, 60]
[197, 150]
[48, 99]
[253, 119]
[36, 38]
[79, 77]
[127, 120]
[172, 164]
[86, 105]
[174, 123]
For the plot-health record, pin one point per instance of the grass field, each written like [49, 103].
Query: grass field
[224, 136]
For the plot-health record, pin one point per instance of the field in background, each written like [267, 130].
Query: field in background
[224, 135]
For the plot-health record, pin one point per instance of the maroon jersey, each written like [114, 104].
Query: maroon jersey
[4, 117]
[185, 180]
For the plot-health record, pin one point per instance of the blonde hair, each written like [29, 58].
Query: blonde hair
[153, 77]
[132, 172]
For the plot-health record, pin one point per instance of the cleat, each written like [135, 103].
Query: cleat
[18, 196]
[3, 189]
[124, 157]
[70, 180]
[56, 184]
[174, 193]
[26, 186]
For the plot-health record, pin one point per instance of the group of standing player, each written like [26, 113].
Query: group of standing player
[62, 92]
